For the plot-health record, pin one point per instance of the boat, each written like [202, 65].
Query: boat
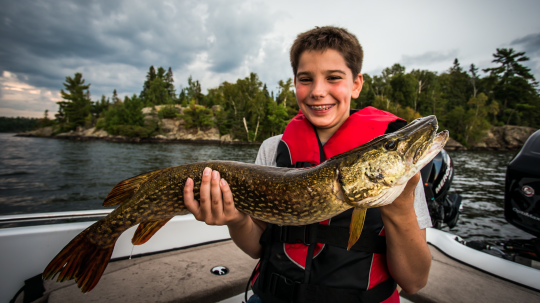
[189, 261]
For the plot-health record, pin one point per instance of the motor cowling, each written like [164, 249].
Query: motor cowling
[522, 188]
[437, 177]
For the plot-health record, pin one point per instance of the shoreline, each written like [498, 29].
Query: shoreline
[497, 138]
[122, 139]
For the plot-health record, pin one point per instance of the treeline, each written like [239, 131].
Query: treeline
[16, 125]
[465, 102]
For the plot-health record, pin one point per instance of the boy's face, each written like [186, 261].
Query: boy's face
[324, 87]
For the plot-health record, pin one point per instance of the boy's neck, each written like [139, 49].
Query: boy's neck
[326, 133]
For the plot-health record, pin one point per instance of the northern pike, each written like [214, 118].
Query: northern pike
[370, 175]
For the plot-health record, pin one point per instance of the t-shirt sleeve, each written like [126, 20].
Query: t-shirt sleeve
[267, 151]
[420, 206]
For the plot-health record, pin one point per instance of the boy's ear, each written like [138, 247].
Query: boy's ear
[357, 86]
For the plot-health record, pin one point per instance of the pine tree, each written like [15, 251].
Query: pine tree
[515, 88]
[77, 105]
[150, 76]
[170, 86]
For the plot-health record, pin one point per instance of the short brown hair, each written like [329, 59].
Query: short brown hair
[329, 37]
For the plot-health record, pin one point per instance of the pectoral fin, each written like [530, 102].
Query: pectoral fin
[146, 230]
[357, 224]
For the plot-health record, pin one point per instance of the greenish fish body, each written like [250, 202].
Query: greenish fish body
[371, 175]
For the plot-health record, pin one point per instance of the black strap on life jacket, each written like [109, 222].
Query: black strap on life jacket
[327, 234]
[287, 290]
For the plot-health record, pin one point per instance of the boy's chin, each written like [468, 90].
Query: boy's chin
[322, 122]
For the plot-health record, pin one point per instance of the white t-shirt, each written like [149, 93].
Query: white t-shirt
[267, 156]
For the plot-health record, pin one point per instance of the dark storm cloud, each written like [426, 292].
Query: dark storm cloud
[48, 40]
[429, 58]
[530, 43]
[237, 33]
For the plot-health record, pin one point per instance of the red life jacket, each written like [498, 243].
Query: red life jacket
[330, 266]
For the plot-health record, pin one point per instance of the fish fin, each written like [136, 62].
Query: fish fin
[81, 260]
[146, 230]
[126, 189]
[357, 224]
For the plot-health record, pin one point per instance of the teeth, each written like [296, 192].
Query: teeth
[321, 107]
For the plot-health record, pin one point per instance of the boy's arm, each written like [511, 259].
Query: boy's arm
[217, 208]
[407, 253]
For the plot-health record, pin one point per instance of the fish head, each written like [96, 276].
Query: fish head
[368, 171]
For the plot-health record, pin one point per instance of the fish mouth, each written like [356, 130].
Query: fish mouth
[436, 146]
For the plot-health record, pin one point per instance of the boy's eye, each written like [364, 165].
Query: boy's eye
[305, 79]
[334, 78]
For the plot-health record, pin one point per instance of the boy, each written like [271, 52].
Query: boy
[326, 63]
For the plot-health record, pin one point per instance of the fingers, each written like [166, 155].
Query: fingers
[191, 204]
[206, 199]
[228, 203]
[215, 190]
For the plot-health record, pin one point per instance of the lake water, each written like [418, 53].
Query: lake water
[47, 175]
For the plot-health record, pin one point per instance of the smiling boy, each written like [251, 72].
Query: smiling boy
[326, 63]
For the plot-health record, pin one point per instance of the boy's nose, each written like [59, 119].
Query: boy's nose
[319, 90]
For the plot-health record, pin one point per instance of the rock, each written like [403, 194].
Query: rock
[226, 138]
[454, 145]
[148, 110]
[40, 132]
[508, 137]
[160, 137]
[515, 136]
[170, 125]
[95, 133]
[216, 108]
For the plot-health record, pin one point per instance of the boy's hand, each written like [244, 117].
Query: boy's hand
[217, 208]
[217, 205]
[404, 203]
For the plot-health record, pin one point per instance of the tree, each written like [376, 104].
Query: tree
[115, 100]
[474, 78]
[426, 80]
[193, 91]
[150, 76]
[457, 87]
[77, 105]
[475, 121]
[516, 88]
[170, 86]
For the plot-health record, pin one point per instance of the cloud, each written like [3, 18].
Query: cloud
[530, 43]
[239, 37]
[18, 98]
[113, 43]
[429, 58]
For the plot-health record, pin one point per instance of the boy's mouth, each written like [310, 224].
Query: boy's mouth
[321, 107]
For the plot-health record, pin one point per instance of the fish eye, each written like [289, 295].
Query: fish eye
[390, 145]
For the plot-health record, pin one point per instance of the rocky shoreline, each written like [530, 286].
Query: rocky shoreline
[497, 138]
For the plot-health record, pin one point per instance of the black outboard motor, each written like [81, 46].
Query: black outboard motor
[437, 176]
[522, 188]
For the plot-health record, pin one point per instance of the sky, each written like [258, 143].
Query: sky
[113, 43]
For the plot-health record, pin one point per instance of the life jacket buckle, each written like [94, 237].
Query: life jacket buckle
[283, 287]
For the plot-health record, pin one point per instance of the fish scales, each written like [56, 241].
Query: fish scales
[371, 175]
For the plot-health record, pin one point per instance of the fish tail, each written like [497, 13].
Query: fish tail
[81, 260]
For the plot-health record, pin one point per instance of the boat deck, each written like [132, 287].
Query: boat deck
[451, 281]
[184, 276]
